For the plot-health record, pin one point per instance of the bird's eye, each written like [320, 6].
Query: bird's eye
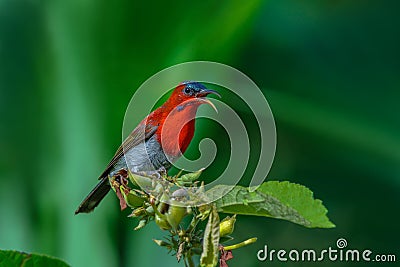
[187, 91]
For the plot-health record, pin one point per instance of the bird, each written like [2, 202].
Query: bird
[158, 140]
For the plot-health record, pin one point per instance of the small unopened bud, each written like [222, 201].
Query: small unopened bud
[189, 178]
[137, 212]
[162, 222]
[142, 223]
[227, 226]
[160, 218]
[161, 243]
[181, 233]
[175, 215]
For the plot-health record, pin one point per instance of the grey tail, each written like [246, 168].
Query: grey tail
[94, 197]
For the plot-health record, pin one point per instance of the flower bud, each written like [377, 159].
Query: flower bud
[189, 178]
[175, 215]
[138, 212]
[161, 243]
[227, 226]
[161, 218]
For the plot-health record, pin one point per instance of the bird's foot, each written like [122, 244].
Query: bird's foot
[121, 176]
[162, 171]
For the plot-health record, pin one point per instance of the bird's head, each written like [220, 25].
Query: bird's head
[178, 116]
[192, 94]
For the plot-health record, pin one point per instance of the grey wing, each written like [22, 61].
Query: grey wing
[140, 134]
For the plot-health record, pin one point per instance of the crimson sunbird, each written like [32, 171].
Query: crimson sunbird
[145, 149]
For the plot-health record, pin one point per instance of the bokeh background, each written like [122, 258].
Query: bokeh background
[329, 69]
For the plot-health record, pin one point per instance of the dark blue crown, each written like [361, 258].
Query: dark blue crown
[196, 86]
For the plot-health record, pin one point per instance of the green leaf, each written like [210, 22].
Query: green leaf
[280, 200]
[12, 258]
[132, 197]
[209, 257]
[142, 181]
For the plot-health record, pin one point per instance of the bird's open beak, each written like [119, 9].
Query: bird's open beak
[206, 92]
[201, 97]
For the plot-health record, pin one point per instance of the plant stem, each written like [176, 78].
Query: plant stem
[189, 259]
[192, 226]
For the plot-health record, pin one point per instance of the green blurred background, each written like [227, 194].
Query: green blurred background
[329, 69]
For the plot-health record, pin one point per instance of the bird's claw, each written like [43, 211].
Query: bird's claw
[121, 176]
[162, 171]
